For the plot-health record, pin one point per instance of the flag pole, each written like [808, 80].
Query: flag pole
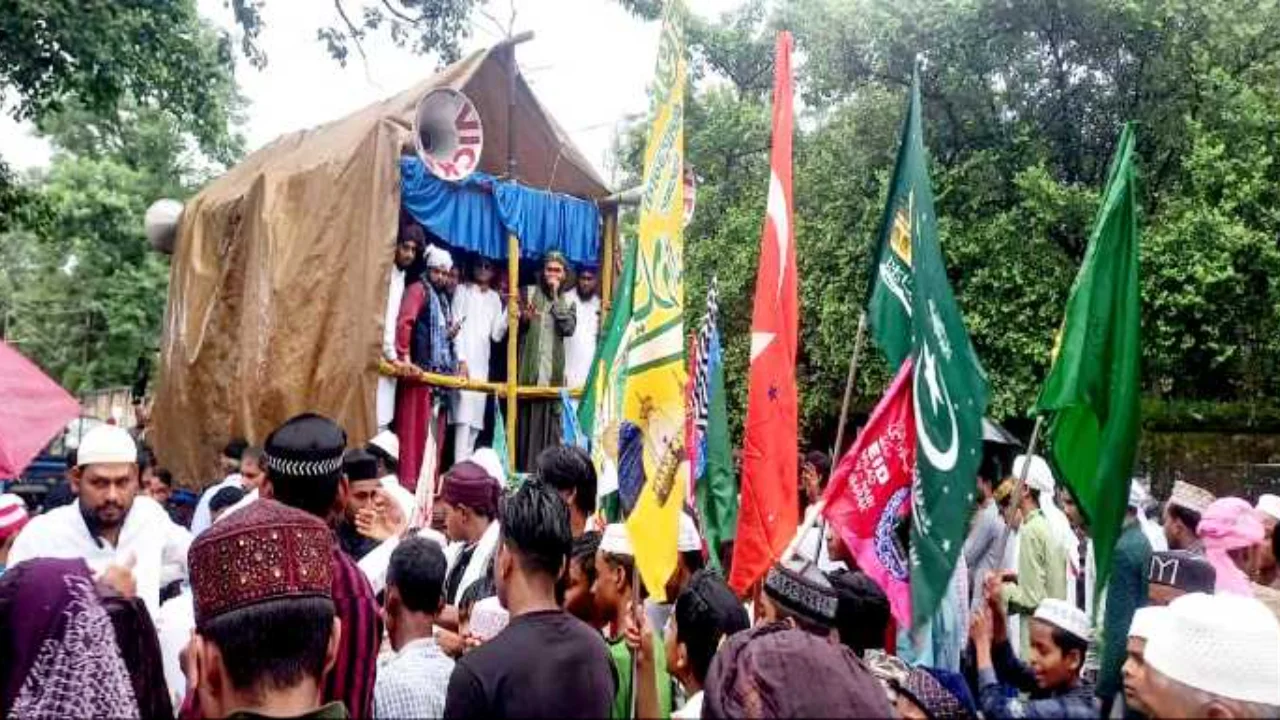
[858, 343]
[1032, 446]
[636, 603]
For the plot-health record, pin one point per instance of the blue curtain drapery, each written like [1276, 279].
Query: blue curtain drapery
[476, 214]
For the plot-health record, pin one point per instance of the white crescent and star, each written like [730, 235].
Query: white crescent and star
[941, 459]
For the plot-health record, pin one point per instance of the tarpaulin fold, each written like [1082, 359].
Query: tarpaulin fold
[33, 409]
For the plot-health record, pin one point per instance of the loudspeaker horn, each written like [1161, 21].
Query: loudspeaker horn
[448, 134]
[161, 224]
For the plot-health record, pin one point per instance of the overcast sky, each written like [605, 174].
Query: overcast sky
[589, 63]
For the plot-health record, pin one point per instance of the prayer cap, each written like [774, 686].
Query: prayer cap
[777, 671]
[1224, 645]
[615, 541]
[1183, 570]
[13, 515]
[360, 465]
[1269, 505]
[386, 442]
[1147, 621]
[438, 258]
[1191, 497]
[470, 485]
[800, 587]
[1039, 475]
[1064, 616]
[688, 540]
[488, 459]
[942, 694]
[306, 446]
[107, 444]
[266, 551]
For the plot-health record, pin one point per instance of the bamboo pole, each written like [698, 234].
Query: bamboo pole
[849, 382]
[513, 342]
[458, 382]
[1016, 495]
[606, 260]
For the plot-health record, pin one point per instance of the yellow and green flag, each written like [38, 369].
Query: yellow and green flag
[653, 466]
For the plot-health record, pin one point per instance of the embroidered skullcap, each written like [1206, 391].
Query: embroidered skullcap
[1224, 645]
[13, 515]
[800, 587]
[470, 485]
[266, 551]
[1191, 497]
[488, 459]
[386, 442]
[941, 694]
[1269, 505]
[107, 444]
[438, 258]
[359, 464]
[1183, 570]
[1148, 621]
[1039, 475]
[1064, 616]
[775, 671]
[615, 541]
[306, 446]
[688, 540]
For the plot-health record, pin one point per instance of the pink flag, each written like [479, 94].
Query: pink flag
[870, 491]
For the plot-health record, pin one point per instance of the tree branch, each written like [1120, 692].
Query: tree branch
[355, 38]
[400, 15]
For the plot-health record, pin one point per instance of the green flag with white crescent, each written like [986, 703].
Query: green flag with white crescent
[912, 310]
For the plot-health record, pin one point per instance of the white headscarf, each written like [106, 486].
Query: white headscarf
[438, 258]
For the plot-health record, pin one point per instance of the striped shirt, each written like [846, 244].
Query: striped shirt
[351, 680]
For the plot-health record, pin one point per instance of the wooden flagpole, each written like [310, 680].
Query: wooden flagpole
[850, 380]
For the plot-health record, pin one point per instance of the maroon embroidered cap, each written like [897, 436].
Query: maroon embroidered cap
[264, 551]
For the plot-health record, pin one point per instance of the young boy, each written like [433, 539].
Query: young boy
[1059, 637]
[578, 600]
[413, 682]
[706, 612]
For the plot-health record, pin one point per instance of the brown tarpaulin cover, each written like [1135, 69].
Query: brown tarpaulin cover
[279, 277]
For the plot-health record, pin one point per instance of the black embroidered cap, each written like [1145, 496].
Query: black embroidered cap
[800, 587]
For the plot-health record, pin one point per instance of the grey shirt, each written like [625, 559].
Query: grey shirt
[984, 549]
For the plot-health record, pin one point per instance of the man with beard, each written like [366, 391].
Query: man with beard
[580, 347]
[408, 251]
[125, 537]
[546, 319]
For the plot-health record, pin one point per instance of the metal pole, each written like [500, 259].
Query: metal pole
[849, 381]
[513, 343]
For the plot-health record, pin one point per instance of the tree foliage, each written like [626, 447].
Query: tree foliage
[1023, 105]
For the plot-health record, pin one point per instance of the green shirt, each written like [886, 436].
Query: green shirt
[1042, 571]
[621, 655]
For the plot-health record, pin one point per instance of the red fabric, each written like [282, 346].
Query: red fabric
[352, 676]
[768, 517]
[870, 492]
[413, 399]
[34, 409]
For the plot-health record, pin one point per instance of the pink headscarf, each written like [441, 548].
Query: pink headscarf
[1229, 524]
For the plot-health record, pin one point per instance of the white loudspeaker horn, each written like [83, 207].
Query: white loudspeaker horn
[161, 224]
[690, 193]
[448, 134]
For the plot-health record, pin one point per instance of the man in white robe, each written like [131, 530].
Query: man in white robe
[408, 251]
[580, 347]
[480, 317]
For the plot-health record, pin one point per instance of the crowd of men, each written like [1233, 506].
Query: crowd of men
[313, 592]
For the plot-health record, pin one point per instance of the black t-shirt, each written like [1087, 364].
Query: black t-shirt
[543, 665]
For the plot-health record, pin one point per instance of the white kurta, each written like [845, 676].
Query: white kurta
[483, 322]
[156, 545]
[386, 397]
[580, 347]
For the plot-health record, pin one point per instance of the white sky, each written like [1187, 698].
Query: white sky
[589, 63]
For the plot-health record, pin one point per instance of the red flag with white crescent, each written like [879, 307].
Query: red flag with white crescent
[768, 516]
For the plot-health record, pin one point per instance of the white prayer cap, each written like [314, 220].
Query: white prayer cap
[387, 442]
[1148, 621]
[107, 444]
[688, 540]
[1225, 645]
[616, 541]
[488, 459]
[1138, 495]
[1065, 616]
[438, 258]
[401, 497]
[1269, 505]
[1039, 475]
[1191, 497]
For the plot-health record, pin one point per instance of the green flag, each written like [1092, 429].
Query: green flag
[600, 411]
[1090, 398]
[717, 487]
[913, 310]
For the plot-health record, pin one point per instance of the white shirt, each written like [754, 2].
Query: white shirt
[174, 625]
[154, 543]
[484, 321]
[413, 683]
[580, 347]
[202, 519]
[692, 710]
[385, 400]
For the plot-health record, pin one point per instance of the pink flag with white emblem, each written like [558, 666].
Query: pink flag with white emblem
[768, 516]
[868, 498]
